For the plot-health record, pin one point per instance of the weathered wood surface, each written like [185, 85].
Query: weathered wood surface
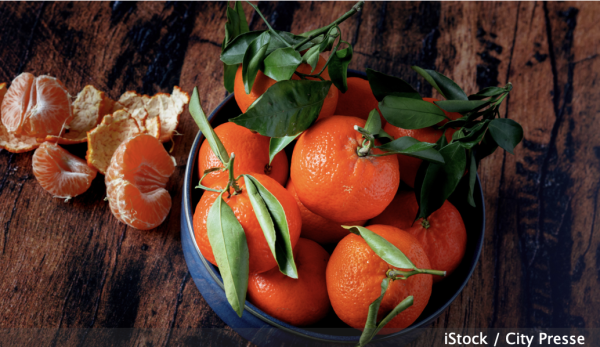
[73, 265]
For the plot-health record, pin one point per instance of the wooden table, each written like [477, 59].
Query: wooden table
[72, 265]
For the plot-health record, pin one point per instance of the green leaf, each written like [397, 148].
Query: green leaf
[472, 178]
[278, 144]
[286, 108]
[486, 147]
[487, 93]
[373, 125]
[409, 113]
[228, 242]
[383, 135]
[199, 116]
[311, 57]
[243, 24]
[383, 85]
[229, 72]
[460, 106]
[338, 68]
[470, 137]
[281, 64]
[414, 148]
[506, 132]
[234, 52]
[253, 59]
[371, 325]
[273, 222]
[445, 86]
[382, 247]
[441, 180]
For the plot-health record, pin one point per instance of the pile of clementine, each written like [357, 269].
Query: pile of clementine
[333, 179]
[123, 137]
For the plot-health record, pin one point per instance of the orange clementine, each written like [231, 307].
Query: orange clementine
[251, 155]
[358, 100]
[443, 234]
[263, 82]
[135, 182]
[410, 165]
[61, 173]
[301, 301]
[49, 111]
[317, 228]
[354, 276]
[333, 181]
[399, 213]
[261, 258]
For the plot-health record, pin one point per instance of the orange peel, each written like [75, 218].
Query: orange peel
[88, 109]
[133, 103]
[10, 141]
[114, 129]
[169, 108]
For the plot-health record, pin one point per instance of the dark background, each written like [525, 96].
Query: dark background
[72, 265]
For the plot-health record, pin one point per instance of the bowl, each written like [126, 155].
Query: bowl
[262, 329]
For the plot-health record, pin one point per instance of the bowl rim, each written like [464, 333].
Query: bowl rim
[187, 189]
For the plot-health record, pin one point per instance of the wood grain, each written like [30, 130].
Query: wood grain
[72, 265]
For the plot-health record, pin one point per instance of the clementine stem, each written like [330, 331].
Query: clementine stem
[232, 180]
[402, 275]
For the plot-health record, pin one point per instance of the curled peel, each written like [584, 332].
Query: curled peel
[10, 141]
[169, 108]
[133, 103]
[88, 109]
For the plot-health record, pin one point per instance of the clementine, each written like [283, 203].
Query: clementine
[263, 82]
[261, 258]
[410, 165]
[338, 178]
[354, 275]
[317, 228]
[301, 301]
[399, 213]
[252, 155]
[358, 100]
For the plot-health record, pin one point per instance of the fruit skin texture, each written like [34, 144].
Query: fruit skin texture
[410, 165]
[61, 173]
[444, 241]
[358, 100]
[317, 228]
[135, 182]
[298, 302]
[261, 258]
[263, 82]
[330, 178]
[355, 273]
[251, 155]
[400, 213]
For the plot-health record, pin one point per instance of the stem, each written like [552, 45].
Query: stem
[357, 7]
[365, 148]
[425, 223]
[402, 275]
[232, 180]
[305, 76]
[268, 25]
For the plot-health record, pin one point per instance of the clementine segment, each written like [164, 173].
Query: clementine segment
[61, 173]
[317, 228]
[263, 82]
[261, 258]
[135, 182]
[16, 101]
[301, 301]
[251, 151]
[354, 276]
[333, 181]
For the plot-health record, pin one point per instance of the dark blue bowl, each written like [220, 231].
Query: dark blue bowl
[262, 329]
